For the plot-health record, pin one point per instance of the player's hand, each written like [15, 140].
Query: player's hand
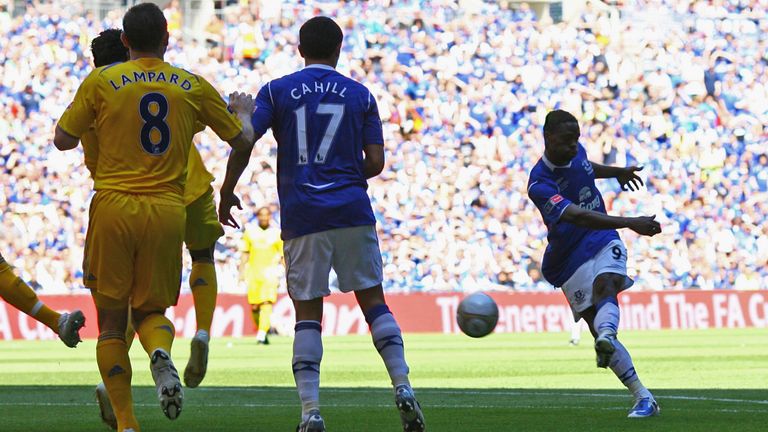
[645, 225]
[241, 103]
[629, 180]
[227, 201]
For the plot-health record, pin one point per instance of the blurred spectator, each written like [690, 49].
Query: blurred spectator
[680, 87]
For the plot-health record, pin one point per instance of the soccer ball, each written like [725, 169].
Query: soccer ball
[477, 315]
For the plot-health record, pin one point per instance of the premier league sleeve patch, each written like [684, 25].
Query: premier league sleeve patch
[552, 203]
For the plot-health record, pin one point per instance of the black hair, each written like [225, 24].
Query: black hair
[319, 37]
[145, 27]
[556, 118]
[107, 48]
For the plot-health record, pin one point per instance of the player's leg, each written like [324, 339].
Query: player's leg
[21, 296]
[255, 315]
[308, 263]
[357, 262]
[156, 287]
[113, 361]
[606, 322]
[202, 280]
[307, 355]
[622, 366]
[265, 322]
[202, 230]
[575, 333]
[108, 264]
[106, 412]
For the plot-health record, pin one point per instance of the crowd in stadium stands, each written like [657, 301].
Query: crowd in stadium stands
[679, 87]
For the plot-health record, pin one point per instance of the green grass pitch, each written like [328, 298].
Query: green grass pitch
[714, 380]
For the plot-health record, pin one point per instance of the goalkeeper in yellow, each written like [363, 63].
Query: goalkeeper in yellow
[262, 253]
[144, 113]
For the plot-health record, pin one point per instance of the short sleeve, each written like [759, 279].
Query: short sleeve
[262, 117]
[214, 113]
[548, 200]
[372, 133]
[80, 114]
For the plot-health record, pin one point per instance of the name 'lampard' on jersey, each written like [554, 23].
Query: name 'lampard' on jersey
[320, 87]
[151, 77]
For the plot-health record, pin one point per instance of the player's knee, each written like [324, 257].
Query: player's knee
[139, 315]
[202, 255]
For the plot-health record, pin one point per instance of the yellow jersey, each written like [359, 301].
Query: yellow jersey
[264, 248]
[198, 177]
[144, 114]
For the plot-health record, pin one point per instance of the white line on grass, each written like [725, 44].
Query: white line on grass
[357, 405]
[504, 393]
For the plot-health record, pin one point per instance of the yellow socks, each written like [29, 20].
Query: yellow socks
[255, 315]
[21, 296]
[202, 280]
[115, 369]
[265, 317]
[156, 331]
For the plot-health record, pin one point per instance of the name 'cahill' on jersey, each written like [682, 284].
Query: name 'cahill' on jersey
[321, 121]
[553, 188]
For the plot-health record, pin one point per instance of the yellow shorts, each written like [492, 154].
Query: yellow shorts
[133, 249]
[262, 290]
[203, 227]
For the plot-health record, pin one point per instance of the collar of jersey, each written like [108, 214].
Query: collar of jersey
[319, 66]
[552, 166]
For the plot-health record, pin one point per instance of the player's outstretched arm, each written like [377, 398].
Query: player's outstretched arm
[64, 141]
[626, 176]
[373, 163]
[242, 146]
[643, 225]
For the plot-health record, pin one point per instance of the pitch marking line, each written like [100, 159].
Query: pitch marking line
[502, 393]
[354, 405]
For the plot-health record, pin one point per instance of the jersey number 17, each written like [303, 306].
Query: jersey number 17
[336, 111]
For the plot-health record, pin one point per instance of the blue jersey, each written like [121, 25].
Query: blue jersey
[552, 189]
[321, 120]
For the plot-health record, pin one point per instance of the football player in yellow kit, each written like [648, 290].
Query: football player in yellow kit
[202, 231]
[137, 216]
[262, 252]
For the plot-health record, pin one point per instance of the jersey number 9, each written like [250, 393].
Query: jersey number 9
[153, 109]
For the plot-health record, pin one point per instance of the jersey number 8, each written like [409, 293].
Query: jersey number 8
[154, 121]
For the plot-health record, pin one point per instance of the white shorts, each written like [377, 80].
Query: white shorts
[353, 253]
[578, 288]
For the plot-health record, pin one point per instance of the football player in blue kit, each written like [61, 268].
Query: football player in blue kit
[329, 142]
[585, 256]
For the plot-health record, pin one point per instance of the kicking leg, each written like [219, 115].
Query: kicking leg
[307, 355]
[388, 340]
[606, 319]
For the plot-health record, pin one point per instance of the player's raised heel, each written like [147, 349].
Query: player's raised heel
[198, 361]
[167, 383]
[105, 407]
[69, 327]
[410, 410]
[645, 407]
[313, 423]
[604, 348]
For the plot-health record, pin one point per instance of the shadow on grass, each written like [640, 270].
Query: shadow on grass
[73, 408]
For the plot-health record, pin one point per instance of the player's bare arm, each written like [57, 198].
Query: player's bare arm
[64, 141]
[643, 225]
[242, 146]
[373, 163]
[626, 176]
